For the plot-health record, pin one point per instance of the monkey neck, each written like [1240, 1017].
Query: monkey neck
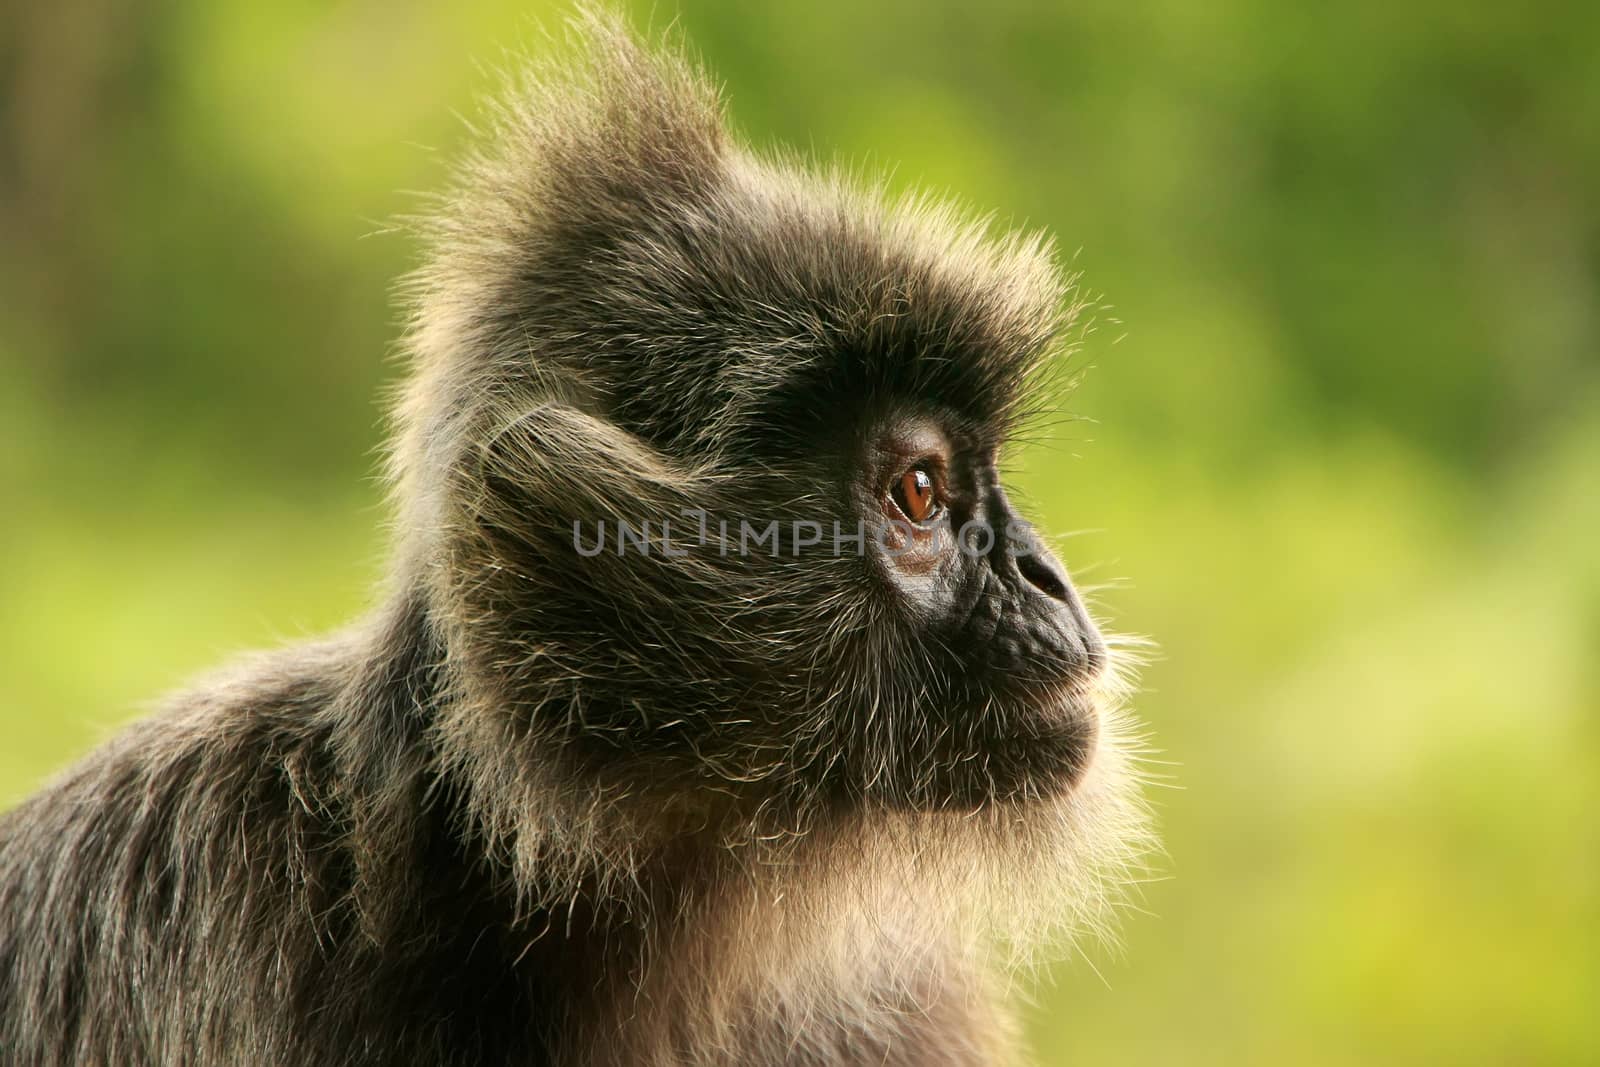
[463, 830]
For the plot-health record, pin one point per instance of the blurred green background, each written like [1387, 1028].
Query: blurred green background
[1338, 447]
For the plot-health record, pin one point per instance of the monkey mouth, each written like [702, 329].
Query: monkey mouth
[1055, 752]
[1030, 751]
[1049, 692]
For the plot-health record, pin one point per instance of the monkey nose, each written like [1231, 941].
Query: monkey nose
[1044, 574]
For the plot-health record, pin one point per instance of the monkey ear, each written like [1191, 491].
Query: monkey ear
[534, 533]
[553, 465]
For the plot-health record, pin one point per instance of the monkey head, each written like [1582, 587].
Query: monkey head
[704, 452]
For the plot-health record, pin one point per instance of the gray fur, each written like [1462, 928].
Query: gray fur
[544, 809]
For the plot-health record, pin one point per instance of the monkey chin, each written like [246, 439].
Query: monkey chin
[1057, 756]
[1038, 752]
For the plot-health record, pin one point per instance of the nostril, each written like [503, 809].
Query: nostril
[1043, 574]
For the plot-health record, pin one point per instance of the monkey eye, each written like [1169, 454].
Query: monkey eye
[916, 495]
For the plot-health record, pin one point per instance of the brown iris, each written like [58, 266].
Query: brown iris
[914, 495]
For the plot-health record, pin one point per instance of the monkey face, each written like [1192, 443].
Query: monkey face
[721, 509]
[849, 610]
[1000, 656]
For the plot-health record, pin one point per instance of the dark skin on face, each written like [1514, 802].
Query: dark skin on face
[1018, 650]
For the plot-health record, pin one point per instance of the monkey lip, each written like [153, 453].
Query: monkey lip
[1045, 752]
[1055, 697]
[1021, 768]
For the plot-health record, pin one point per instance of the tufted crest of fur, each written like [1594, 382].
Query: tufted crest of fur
[620, 808]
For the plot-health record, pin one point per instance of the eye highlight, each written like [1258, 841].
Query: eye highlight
[916, 494]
